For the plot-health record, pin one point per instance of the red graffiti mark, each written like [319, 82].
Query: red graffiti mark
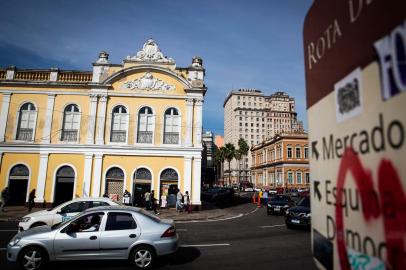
[392, 206]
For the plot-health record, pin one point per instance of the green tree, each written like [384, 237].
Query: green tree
[243, 149]
[238, 157]
[219, 158]
[229, 155]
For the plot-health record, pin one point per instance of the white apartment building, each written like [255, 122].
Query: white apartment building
[254, 116]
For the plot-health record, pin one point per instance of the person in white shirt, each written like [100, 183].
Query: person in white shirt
[179, 204]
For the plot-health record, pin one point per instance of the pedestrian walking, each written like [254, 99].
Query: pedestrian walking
[265, 195]
[186, 200]
[153, 203]
[147, 196]
[5, 195]
[127, 198]
[179, 199]
[31, 198]
[105, 195]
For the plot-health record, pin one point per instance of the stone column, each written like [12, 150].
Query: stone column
[46, 133]
[91, 122]
[189, 122]
[198, 122]
[87, 176]
[101, 119]
[196, 184]
[187, 175]
[97, 174]
[42, 177]
[4, 115]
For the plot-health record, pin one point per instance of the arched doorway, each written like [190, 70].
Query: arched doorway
[114, 183]
[18, 184]
[64, 184]
[141, 184]
[169, 186]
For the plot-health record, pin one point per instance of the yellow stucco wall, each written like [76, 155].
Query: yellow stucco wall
[9, 160]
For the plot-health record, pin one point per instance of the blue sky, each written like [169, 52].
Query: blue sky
[244, 44]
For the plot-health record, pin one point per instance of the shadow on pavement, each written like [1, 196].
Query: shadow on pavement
[182, 256]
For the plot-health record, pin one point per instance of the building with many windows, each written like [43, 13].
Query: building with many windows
[255, 117]
[282, 161]
[132, 126]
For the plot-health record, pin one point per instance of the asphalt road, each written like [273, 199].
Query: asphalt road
[254, 241]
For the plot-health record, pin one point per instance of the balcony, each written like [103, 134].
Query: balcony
[69, 135]
[25, 134]
[171, 137]
[118, 136]
[144, 137]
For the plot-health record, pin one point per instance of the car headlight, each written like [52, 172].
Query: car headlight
[25, 219]
[287, 212]
[286, 206]
[308, 215]
[14, 241]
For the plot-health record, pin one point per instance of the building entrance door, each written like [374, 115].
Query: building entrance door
[64, 184]
[18, 184]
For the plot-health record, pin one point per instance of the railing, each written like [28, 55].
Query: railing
[74, 77]
[144, 137]
[31, 76]
[25, 134]
[171, 138]
[69, 135]
[118, 136]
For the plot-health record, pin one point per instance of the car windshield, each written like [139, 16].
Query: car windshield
[279, 198]
[305, 202]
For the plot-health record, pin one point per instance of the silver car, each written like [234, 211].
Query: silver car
[100, 233]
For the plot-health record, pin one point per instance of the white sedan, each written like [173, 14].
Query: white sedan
[61, 212]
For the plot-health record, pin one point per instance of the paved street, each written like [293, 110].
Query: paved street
[253, 240]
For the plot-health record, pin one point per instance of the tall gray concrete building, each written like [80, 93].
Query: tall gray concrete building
[254, 116]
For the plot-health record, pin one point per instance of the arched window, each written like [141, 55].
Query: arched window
[146, 123]
[119, 124]
[71, 123]
[172, 126]
[26, 122]
[114, 182]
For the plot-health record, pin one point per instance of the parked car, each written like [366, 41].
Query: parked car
[100, 233]
[61, 212]
[218, 196]
[299, 215]
[278, 204]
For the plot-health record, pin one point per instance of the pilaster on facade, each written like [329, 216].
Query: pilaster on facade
[97, 174]
[87, 176]
[187, 174]
[1, 158]
[189, 122]
[198, 127]
[42, 176]
[46, 133]
[4, 115]
[91, 124]
[101, 117]
[196, 187]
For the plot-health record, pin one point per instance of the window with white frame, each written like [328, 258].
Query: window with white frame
[306, 152]
[299, 177]
[119, 124]
[172, 126]
[26, 122]
[307, 178]
[289, 152]
[146, 124]
[290, 177]
[298, 152]
[71, 123]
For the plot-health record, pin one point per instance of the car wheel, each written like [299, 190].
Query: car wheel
[37, 224]
[289, 226]
[142, 257]
[32, 258]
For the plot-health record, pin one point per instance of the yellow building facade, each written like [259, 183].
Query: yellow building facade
[282, 162]
[132, 126]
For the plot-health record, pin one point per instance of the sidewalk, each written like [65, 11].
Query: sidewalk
[14, 213]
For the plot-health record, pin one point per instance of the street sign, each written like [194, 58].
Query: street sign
[355, 63]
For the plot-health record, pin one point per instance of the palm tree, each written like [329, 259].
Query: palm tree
[219, 160]
[243, 149]
[238, 157]
[229, 155]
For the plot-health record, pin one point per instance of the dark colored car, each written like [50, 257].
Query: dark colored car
[278, 204]
[300, 215]
[218, 196]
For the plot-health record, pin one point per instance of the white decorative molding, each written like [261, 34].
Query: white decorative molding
[46, 133]
[101, 119]
[4, 115]
[87, 177]
[148, 82]
[196, 183]
[42, 176]
[98, 161]
[150, 53]
[91, 122]
[187, 183]
[189, 121]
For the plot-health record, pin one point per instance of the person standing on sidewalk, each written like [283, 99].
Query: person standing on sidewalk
[147, 196]
[186, 200]
[31, 198]
[179, 198]
[153, 202]
[5, 195]
[127, 198]
[265, 195]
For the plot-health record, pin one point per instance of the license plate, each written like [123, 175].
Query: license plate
[277, 208]
[295, 221]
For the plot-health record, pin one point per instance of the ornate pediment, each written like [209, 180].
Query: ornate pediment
[148, 82]
[150, 53]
